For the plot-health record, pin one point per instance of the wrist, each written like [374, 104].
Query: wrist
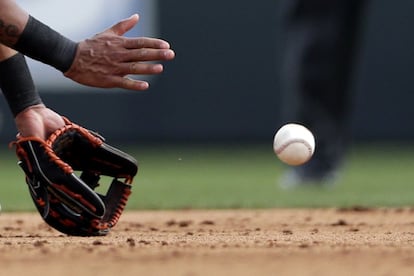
[44, 44]
[17, 84]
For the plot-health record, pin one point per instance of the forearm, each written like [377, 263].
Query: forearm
[32, 38]
[104, 60]
[13, 20]
[16, 81]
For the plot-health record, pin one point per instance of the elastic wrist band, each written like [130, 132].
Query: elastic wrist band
[17, 84]
[44, 44]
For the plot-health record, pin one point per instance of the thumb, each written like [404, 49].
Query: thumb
[125, 25]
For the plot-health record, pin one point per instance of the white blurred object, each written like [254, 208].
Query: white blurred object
[294, 144]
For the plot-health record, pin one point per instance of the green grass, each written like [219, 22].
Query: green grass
[242, 176]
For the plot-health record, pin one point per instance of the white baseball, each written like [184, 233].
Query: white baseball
[294, 144]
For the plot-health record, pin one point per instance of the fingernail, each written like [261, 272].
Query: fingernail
[134, 15]
[144, 85]
[165, 45]
[158, 68]
[169, 54]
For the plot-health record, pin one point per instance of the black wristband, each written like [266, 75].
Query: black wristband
[17, 84]
[44, 44]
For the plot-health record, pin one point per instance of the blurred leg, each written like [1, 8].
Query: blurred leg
[321, 36]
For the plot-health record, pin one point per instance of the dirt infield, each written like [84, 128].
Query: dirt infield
[354, 241]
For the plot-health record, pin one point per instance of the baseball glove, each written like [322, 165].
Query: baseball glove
[63, 172]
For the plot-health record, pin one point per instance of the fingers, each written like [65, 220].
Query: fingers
[118, 78]
[137, 68]
[146, 42]
[128, 83]
[147, 49]
[146, 54]
[125, 25]
[109, 57]
[131, 84]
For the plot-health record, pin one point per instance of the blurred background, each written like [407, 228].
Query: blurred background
[223, 84]
[223, 89]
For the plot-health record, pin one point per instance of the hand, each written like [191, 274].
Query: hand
[38, 121]
[107, 58]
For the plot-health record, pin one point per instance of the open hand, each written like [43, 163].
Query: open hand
[106, 59]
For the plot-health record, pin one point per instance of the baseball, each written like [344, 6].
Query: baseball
[294, 144]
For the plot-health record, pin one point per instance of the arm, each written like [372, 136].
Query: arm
[13, 19]
[31, 116]
[103, 60]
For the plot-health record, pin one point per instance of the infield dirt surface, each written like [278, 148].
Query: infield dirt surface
[354, 241]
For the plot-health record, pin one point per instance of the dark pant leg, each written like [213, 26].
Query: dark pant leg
[321, 38]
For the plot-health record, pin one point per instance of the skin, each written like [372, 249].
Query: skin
[104, 60]
[13, 19]
[38, 120]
